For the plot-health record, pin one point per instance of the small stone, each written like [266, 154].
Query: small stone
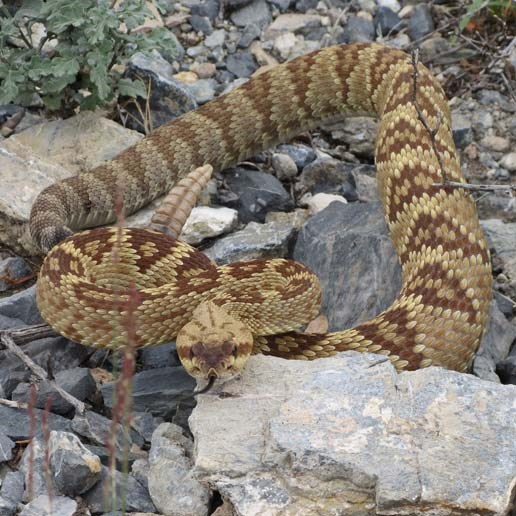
[357, 30]
[292, 22]
[462, 130]
[304, 5]
[394, 5]
[209, 8]
[12, 271]
[241, 64]
[6, 447]
[162, 355]
[509, 162]
[285, 43]
[254, 193]
[145, 424]
[284, 166]
[257, 12]
[387, 21]
[368, 5]
[506, 370]
[282, 5]
[358, 133]
[187, 77]
[320, 201]
[496, 143]
[45, 505]
[270, 240]
[172, 485]
[11, 492]
[250, 33]
[74, 468]
[204, 70]
[421, 22]
[301, 154]
[201, 24]
[203, 90]
[207, 222]
[215, 39]
[482, 120]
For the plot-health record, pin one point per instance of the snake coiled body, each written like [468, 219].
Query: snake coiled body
[441, 311]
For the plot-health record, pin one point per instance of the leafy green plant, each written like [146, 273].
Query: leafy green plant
[73, 61]
[499, 7]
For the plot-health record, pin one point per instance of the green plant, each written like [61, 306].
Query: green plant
[73, 63]
[500, 7]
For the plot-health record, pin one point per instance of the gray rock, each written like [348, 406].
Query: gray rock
[145, 424]
[328, 175]
[158, 391]
[129, 494]
[172, 486]
[16, 423]
[154, 357]
[215, 39]
[19, 310]
[169, 97]
[387, 21]
[462, 130]
[74, 468]
[505, 304]
[494, 98]
[304, 5]
[208, 222]
[32, 465]
[241, 64]
[11, 492]
[357, 30]
[270, 240]
[358, 133]
[348, 435]
[344, 238]
[203, 90]
[6, 447]
[421, 22]
[201, 24]
[506, 370]
[509, 161]
[45, 505]
[209, 8]
[257, 11]
[254, 194]
[293, 23]
[77, 381]
[248, 35]
[282, 5]
[12, 270]
[284, 166]
[501, 237]
[301, 154]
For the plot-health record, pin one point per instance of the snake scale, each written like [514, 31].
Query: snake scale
[438, 317]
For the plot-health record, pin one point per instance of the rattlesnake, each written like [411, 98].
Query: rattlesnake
[437, 319]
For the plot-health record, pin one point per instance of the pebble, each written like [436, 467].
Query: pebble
[387, 21]
[203, 90]
[394, 5]
[209, 8]
[241, 64]
[215, 39]
[257, 11]
[496, 143]
[357, 30]
[45, 505]
[421, 22]
[13, 270]
[462, 130]
[203, 70]
[293, 22]
[301, 154]
[187, 77]
[6, 448]
[285, 43]
[509, 161]
[208, 222]
[320, 201]
[249, 33]
[201, 24]
[284, 166]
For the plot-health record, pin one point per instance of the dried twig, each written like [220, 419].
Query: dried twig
[9, 338]
[478, 188]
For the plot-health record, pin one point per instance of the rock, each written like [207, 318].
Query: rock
[130, 494]
[285, 44]
[16, 423]
[162, 355]
[357, 30]
[301, 154]
[215, 39]
[284, 166]
[255, 12]
[209, 8]
[241, 64]
[433, 47]
[501, 237]
[203, 90]
[305, 5]
[505, 304]
[145, 424]
[48, 152]
[344, 238]
[495, 98]
[172, 486]
[421, 22]
[77, 381]
[496, 342]
[207, 222]
[387, 21]
[32, 465]
[74, 468]
[45, 505]
[169, 97]
[204, 70]
[270, 240]
[496, 143]
[358, 133]
[394, 5]
[201, 24]
[509, 161]
[339, 433]
[6, 448]
[482, 120]
[158, 391]
[248, 35]
[292, 22]
[13, 270]
[11, 492]
[320, 201]
[462, 130]
[282, 5]
[254, 194]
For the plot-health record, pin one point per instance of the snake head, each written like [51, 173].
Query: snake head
[213, 343]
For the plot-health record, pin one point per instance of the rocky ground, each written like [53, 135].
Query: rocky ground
[345, 435]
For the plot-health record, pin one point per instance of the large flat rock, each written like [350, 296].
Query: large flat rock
[348, 435]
